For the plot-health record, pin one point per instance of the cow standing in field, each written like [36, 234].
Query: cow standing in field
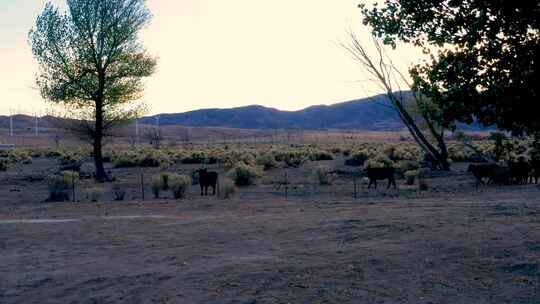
[207, 179]
[482, 171]
[535, 170]
[375, 174]
[494, 173]
[520, 171]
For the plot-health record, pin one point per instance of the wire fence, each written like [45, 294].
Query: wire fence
[137, 186]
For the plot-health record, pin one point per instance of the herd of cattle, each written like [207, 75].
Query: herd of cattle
[521, 172]
[518, 173]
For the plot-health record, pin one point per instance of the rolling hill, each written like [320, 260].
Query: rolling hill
[366, 114]
[370, 114]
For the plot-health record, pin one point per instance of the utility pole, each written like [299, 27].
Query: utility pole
[137, 131]
[10, 123]
[36, 124]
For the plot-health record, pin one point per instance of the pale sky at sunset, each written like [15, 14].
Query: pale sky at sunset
[216, 53]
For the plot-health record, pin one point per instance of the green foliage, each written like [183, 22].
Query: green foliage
[57, 189]
[92, 63]
[485, 68]
[141, 158]
[3, 165]
[164, 180]
[318, 155]
[179, 185]
[293, 160]
[322, 175]
[410, 176]
[226, 188]
[198, 157]
[59, 186]
[95, 194]
[266, 161]
[70, 177]
[379, 161]
[244, 175]
[156, 185]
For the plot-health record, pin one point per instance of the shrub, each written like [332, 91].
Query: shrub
[380, 161]
[164, 180]
[3, 165]
[119, 193]
[231, 158]
[125, 160]
[422, 185]
[199, 157]
[357, 159]
[154, 158]
[157, 185]
[27, 160]
[410, 176]
[266, 161]
[408, 165]
[294, 160]
[322, 175]
[403, 152]
[244, 175]
[70, 177]
[226, 188]
[179, 185]
[95, 194]
[87, 170]
[58, 188]
[53, 154]
[317, 155]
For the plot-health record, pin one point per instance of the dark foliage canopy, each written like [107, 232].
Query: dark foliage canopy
[486, 63]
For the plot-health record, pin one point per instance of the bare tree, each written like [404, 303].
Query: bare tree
[391, 80]
[154, 137]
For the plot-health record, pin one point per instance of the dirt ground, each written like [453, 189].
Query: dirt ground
[450, 244]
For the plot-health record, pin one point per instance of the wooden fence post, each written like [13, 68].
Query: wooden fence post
[142, 185]
[354, 184]
[73, 187]
[286, 186]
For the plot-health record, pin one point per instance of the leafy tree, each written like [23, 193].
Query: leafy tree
[484, 56]
[92, 63]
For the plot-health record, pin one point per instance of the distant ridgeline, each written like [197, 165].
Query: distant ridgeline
[373, 114]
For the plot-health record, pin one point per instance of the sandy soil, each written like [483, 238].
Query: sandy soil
[451, 244]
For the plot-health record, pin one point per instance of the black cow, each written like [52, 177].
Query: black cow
[375, 174]
[207, 179]
[519, 171]
[535, 170]
[482, 171]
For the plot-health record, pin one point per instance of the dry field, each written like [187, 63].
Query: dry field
[450, 244]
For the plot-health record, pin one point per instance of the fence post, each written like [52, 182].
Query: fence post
[217, 186]
[286, 187]
[142, 185]
[354, 184]
[73, 188]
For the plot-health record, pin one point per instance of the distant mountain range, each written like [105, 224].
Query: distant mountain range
[365, 114]
[371, 114]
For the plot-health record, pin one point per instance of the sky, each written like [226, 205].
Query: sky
[219, 54]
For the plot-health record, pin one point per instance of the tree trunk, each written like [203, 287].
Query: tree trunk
[440, 157]
[101, 175]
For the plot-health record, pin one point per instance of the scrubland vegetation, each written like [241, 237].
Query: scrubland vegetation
[248, 164]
